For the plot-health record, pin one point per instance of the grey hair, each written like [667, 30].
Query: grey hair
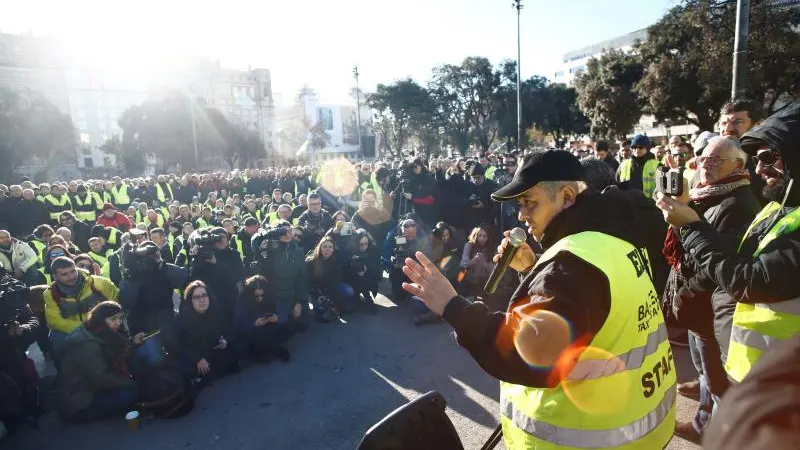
[732, 143]
[551, 187]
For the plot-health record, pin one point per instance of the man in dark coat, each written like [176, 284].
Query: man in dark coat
[480, 208]
[29, 213]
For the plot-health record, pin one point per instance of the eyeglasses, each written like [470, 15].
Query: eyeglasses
[199, 296]
[767, 158]
[712, 160]
[409, 225]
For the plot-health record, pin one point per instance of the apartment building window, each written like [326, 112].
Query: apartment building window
[85, 138]
[88, 163]
[101, 125]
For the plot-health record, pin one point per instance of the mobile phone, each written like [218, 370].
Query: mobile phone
[669, 181]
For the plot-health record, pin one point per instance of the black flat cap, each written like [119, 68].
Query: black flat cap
[550, 165]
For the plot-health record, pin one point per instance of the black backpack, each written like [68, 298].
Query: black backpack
[164, 391]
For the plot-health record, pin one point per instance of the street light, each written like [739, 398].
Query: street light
[739, 84]
[358, 113]
[518, 6]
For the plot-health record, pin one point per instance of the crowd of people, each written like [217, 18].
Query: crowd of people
[200, 272]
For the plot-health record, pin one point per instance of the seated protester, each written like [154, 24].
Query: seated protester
[79, 231]
[259, 330]
[402, 242]
[85, 262]
[94, 381]
[38, 240]
[364, 271]
[71, 296]
[51, 254]
[325, 280]
[281, 259]
[98, 252]
[19, 332]
[341, 233]
[203, 335]
[112, 218]
[109, 237]
[301, 207]
[446, 251]
[112, 269]
[476, 261]
[370, 217]
[19, 259]
[66, 235]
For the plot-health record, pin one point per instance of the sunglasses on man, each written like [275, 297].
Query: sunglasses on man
[766, 158]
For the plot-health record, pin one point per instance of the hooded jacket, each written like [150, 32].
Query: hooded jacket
[585, 305]
[86, 370]
[770, 277]
[23, 257]
[198, 334]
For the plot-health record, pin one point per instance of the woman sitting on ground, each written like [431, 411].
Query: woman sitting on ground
[260, 330]
[85, 262]
[476, 261]
[363, 270]
[94, 381]
[325, 280]
[445, 251]
[205, 341]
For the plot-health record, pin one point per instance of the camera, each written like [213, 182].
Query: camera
[347, 229]
[138, 260]
[473, 200]
[669, 181]
[204, 240]
[401, 251]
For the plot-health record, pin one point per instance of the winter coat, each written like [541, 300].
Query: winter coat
[118, 220]
[285, 268]
[248, 310]
[28, 214]
[369, 260]
[87, 369]
[325, 282]
[12, 349]
[478, 270]
[690, 287]
[23, 257]
[198, 334]
[490, 209]
[552, 286]
[95, 290]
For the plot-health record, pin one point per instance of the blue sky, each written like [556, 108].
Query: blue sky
[319, 41]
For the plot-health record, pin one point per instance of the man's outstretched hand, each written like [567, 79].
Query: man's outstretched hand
[428, 283]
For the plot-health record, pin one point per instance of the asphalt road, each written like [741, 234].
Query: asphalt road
[341, 380]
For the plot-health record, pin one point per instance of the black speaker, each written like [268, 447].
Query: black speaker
[419, 424]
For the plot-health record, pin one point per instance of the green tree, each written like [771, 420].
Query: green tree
[688, 58]
[31, 126]
[531, 98]
[318, 137]
[606, 93]
[466, 96]
[401, 108]
[561, 117]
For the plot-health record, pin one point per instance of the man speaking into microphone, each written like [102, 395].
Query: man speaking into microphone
[581, 351]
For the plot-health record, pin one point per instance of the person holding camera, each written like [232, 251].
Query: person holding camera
[19, 329]
[476, 261]
[212, 263]
[281, 261]
[401, 243]
[260, 330]
[479, 208]
[363, 271]
[147, 286]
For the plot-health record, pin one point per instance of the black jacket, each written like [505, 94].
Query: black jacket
[585, 305]
[692, 288]
[637, 167]
[81, 233]
[28, 214]
[651, 218]
[198, 334]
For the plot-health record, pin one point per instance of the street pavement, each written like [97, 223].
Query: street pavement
[342, 379]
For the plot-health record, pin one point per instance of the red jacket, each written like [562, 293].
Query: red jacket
[119, 221]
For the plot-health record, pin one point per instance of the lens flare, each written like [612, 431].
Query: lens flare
[541, 337]
[591, 363]
[443, 263]
[461, 275]
[339, 177]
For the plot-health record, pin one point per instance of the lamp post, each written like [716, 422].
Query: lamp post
[518, 6]
[739, 84]
[358, 113]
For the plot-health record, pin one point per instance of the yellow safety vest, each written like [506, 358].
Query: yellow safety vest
[648, 174]
[56, 206]
[159, 221]
[621, 391]
[89, 215]
[120, 195]
[489, 174]
[160, 192]
[101, 260]
[47, 277]
[39, 246]
[113, 236]
[758, 326]
[239, 245]
[202, 223]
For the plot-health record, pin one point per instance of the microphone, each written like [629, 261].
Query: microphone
[516, 238]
